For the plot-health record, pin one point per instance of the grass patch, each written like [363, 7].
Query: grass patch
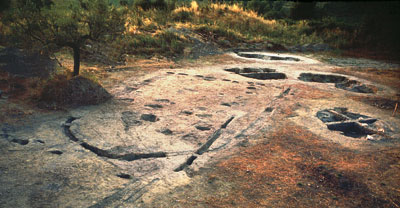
[148, 31]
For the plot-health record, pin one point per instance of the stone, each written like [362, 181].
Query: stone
[124, 176]
[269, 109]
[154, 106]
[148, 117]
[209, 78]
[20, 141]
[39, 141]
[187, 112]
[204, 115]
[235, 70]
[162, 100]
[354, 86]
[56, 152]
[203, 128]
[189, 137]
[130, 119]
[166, 132]
[130, 89]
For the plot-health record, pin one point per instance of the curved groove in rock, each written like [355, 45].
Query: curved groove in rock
[105, 153]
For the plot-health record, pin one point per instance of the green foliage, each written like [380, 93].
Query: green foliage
[182, 16]
[260, 6]
[151, 4]
[302, 10]
[166, 43]
[64, 23]
[339, 24]
[51, 25]
[4, 5]
[216, 32]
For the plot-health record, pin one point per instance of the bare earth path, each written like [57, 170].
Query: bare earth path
[266, 130]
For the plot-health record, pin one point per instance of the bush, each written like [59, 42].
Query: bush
[165, 43]
[151, 4]
[182, 16]
[302, 10]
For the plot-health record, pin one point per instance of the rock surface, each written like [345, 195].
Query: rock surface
[127, 154]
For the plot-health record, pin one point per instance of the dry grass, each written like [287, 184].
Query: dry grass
[385, 103]
[292, 167]
[297, 168]
[388, 77]
[308, 92]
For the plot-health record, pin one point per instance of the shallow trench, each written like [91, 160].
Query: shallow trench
[105, 153]
[137, 156]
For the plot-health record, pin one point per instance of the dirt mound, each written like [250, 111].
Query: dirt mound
[18, 62]
[74, 92]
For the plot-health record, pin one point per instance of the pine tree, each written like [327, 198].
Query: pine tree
[54, 24]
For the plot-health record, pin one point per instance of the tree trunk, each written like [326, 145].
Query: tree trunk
[77, 60]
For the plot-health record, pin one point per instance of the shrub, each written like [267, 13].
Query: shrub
[182, 16]
[151, 4]
[302, 10]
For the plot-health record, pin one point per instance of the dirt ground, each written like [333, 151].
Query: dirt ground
[269, 130]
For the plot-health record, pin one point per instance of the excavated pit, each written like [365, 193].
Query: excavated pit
[322, 78]
[350, 124]
[341, 82]
[265, 76]
[354, 86]
[267, 57]
[258, 73]
[350, 129]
